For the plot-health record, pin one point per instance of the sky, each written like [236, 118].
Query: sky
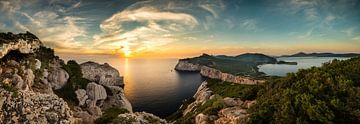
[183, 28]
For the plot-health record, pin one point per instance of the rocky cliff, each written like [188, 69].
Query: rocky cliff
[206, 71]
[37, 87]
[209, 107]
[24, 42]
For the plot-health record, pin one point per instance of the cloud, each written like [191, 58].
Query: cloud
[349, 31]
[249, 24]
[152, 25]
[114, 23]
[356, 38]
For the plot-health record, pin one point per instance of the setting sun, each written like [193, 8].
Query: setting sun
[127, 54]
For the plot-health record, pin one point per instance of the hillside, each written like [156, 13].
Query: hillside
[302, 54]
[327, 94]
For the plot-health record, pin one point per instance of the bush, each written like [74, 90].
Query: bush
[226, 89]
[111, 115]
[327, 94]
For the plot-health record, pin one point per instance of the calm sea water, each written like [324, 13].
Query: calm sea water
[303, 63]
[151, 85]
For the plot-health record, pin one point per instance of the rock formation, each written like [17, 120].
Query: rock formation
[234, 112]
[25, 43]
[139, 118]
[31, 107]
[103, 74]
[205, 71]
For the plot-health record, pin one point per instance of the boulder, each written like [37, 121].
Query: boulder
[202, 119]
[233, 101]
[29, 78]
[95, 111]
[139, 118]
[16, 79]
[57, 78]
[232, 115]
[85, 117]
[96, 91]
[81, 96]
[37, 64]
[103, 74]
[117, 99]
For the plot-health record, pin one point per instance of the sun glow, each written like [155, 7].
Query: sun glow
[127, 54]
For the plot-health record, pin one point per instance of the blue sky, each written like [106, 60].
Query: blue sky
[187, 27]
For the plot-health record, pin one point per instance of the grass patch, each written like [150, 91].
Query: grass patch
[226, 89]
[111, 115]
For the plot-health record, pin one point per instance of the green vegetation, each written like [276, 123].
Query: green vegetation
[244, 64]
[111, 115]
[302, 54]
[179, 112]
[75, 82]
[226, 89]
[327, 94]
[211, 107]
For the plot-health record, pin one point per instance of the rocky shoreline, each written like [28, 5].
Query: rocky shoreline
[209, 72]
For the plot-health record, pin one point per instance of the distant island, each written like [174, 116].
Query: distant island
[303, 54]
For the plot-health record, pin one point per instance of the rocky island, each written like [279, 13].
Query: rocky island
[38, 87]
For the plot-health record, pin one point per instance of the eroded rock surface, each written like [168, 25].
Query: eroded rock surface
[35, 108]
[104, 74]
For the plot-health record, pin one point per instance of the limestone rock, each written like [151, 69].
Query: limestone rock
[233, 101]
[184, 65]
[202, 119]
[81, 96]
[117, 99]
[232, 115]
[58, 78]
[29, 78]
[31, 107]
[85, 117]
[202, 95]
[139, 118]
[25, 43]
[16, 79]
[103, 74]
[37, 64]
[95, 111]
[95, 91]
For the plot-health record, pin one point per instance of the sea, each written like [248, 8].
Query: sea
[152, 84]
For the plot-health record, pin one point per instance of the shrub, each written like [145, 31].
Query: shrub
[226, 89]
[327, 94]
[111, 115]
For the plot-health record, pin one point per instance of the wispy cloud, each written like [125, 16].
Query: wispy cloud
[249, 24]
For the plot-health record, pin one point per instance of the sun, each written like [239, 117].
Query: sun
[127, 54]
